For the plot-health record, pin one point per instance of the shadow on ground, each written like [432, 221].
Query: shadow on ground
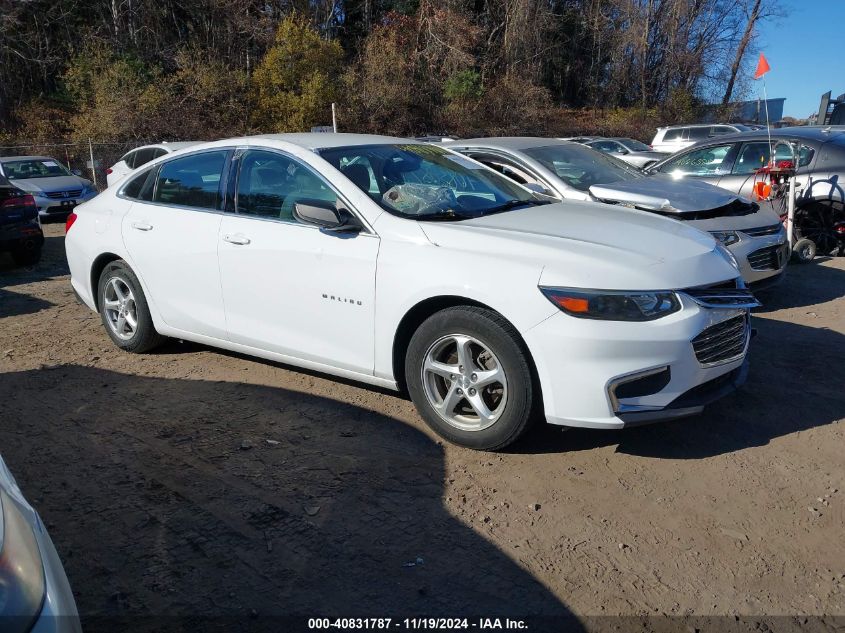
[192, 498]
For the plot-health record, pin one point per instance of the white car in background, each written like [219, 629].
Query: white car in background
[406, 265]
[35, 596]
[673, 138]
[140, 156]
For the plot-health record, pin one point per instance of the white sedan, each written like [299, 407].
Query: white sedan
[408, 266]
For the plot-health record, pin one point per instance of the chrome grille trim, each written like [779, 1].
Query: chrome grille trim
[70, 193]
[722, 297]
[723, 342]
[760, 231]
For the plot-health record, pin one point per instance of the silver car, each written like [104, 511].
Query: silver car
[627, 150]
[734, 163]
[55, 189]
[567, 170]
[35, 596]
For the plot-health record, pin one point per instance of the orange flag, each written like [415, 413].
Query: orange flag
[762, 67]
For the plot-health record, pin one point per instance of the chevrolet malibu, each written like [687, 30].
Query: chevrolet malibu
[408, 266]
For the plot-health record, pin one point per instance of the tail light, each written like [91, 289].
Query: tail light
[109, 171]
[18, 201]
[69, 222]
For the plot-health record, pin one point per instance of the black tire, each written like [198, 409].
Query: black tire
[145, 336]
[500, 338]
[804, 250]
[27, 256]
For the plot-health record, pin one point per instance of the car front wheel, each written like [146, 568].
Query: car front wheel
[124, 311]
[468, 374]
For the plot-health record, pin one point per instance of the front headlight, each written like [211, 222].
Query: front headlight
[613, 305]
[726, 237]
[21, 571]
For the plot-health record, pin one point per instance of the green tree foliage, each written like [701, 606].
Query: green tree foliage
[115, 97]
[464, 85]
[296, 81]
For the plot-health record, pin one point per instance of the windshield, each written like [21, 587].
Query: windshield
[581, 167]
[634, 145]
[427, 182]
[34, 168]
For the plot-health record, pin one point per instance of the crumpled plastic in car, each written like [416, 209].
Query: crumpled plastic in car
[418, 199]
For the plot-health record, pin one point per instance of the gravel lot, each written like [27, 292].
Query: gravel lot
[192, 481]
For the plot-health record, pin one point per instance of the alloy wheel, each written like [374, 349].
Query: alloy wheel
[120, 309]
[464, 382]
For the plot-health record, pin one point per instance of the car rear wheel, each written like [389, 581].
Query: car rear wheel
[124, 311]
[468, 374]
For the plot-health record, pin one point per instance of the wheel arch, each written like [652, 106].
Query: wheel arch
[97, 268]
[417, 314]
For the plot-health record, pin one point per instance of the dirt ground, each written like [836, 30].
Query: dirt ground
[193, 481]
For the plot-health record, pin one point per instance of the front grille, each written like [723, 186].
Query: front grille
[70, 193]
[728, 294]
[768, 258]
[762, 231]
[722, 342]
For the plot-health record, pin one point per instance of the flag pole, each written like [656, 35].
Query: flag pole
[768, 125]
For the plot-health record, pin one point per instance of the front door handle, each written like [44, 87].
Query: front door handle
[238, 239]
[142, 226]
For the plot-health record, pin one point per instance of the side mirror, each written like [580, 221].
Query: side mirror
[326, 215]
[623, 151]
[76, 172]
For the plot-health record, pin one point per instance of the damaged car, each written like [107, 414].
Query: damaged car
[564, 170]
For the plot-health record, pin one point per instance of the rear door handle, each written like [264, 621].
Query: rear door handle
[142, 226]
[240, 240]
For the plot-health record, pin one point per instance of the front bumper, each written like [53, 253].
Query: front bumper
[580, 361]
[760, 258]
[59, 207]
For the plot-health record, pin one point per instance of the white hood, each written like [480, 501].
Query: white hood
[588, 245]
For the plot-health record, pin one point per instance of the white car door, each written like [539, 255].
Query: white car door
[289, 287]
[172, 234]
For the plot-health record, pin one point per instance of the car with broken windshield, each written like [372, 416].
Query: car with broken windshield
[407, 266]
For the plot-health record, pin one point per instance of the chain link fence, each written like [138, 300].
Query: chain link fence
[88, 159]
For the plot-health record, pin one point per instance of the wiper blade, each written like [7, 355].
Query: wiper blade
[444, 215]
[512, 204]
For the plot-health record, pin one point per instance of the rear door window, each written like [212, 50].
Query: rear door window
[756, 154]
[191, 181]
[144, 156]
[675, 134]
[698, 133]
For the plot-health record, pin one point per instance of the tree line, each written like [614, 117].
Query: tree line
[126, 70]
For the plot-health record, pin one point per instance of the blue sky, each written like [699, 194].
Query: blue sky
[806, 51]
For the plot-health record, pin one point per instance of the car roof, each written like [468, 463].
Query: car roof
[316, 140]
[680, 125]
[807, 132]
[8, 159]
[168, 145]
[510, 142]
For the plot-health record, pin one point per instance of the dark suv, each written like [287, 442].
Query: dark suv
[20, 230]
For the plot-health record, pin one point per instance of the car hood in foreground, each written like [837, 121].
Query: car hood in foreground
[589, 245]
[53, 183]
[664, 194]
